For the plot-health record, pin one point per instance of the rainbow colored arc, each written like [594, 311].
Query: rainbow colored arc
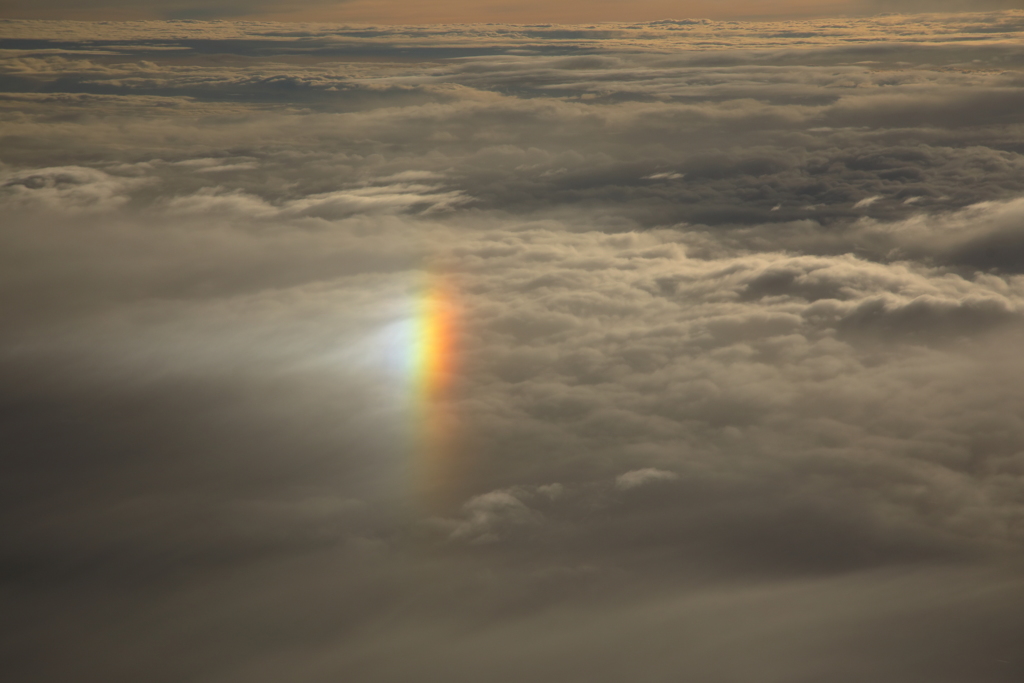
[433, 372]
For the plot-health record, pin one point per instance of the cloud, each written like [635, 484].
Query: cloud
[642, 477]
[866, 202]
[67, 188]
[489, 515]
[748, 292]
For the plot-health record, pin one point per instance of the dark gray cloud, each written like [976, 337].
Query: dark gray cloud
[737, 365]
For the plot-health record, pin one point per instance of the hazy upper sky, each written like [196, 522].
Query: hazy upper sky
[683, 350]
[475, 11]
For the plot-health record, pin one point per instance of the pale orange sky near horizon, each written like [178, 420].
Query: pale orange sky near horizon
[472, 11]
[531, 11]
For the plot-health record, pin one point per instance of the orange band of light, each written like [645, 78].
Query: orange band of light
[434, 368]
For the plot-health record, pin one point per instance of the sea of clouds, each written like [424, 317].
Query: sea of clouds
[740, 392]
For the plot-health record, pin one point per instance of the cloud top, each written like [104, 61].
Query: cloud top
[738, 366]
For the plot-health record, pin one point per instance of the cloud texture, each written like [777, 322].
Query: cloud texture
[738, 392]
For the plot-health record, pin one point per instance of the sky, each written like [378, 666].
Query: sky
[672, 349]
[477, 11]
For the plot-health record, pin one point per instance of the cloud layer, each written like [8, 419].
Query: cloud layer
[741, 307]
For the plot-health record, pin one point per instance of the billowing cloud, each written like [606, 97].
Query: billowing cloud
[728, 335]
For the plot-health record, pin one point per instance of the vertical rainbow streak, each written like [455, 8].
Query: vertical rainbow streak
[433, 365]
